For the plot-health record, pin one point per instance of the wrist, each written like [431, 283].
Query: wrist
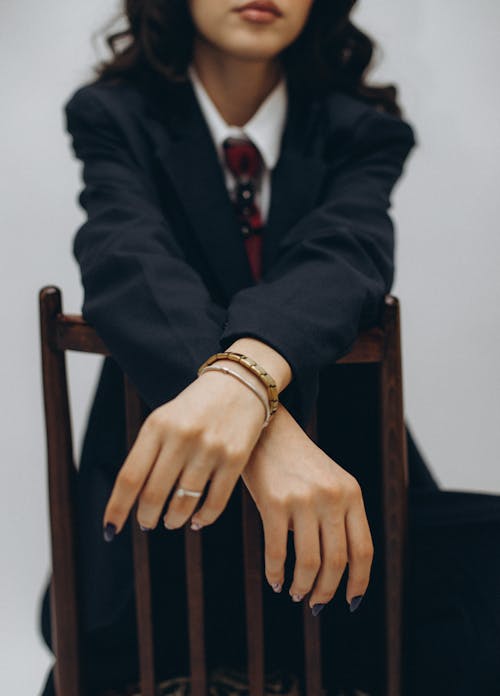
[271, 360]
[233, 394]
[246, 374]
[275, 435]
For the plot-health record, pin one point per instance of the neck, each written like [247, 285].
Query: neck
[237, 87]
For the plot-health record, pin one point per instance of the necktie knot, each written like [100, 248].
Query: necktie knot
[242, 158]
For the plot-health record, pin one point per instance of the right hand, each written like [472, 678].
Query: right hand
[297, 487]
[206, 433]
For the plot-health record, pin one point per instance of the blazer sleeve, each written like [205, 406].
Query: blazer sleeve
[146, 302]
[336, 264]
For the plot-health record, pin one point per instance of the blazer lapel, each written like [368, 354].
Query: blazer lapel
[186, 151]
[297, 178]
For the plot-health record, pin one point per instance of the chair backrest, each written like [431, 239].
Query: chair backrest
[62, 332]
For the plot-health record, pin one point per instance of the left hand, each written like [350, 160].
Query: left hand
[296, 486]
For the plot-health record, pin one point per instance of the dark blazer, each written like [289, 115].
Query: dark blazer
[167, 281]
[163, 264]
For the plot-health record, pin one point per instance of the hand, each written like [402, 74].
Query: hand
[207, 432]
[297, 487]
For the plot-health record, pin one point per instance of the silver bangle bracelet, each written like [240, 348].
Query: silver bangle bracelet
[227, 370]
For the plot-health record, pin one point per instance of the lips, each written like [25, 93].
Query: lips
[265, 5]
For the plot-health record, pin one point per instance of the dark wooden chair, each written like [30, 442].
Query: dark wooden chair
[62, 332]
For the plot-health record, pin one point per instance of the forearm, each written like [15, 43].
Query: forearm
[265, 356]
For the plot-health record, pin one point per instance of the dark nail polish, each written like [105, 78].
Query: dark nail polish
[355, 602]
[316, 608]
[109, 532]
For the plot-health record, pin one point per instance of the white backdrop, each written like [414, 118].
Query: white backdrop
[444, 57]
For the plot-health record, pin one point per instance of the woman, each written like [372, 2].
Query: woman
[238, 174]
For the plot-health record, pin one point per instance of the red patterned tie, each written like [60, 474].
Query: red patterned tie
[245, 162]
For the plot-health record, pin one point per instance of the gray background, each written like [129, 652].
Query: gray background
[444, 57]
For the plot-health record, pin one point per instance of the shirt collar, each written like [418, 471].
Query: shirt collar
[264, 128]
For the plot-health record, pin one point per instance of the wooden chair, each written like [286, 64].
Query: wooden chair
[62, 332]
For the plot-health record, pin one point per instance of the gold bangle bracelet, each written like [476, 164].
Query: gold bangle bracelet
[265, 377]
[228, 371]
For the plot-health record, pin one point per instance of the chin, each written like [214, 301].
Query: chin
[253, 49]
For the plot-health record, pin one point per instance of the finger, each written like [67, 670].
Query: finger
[194, 477]
[223, 481]
[359, 550]
[206, 454]
[307, 552]
[334, 560]
[159, 484]
[275, 526]
[131, 477]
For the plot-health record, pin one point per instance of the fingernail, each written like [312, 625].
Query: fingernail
[276, 586]
[297, 597]
[195, 526]
[355, 602]
[316, 608]
[109, 532]
[166, 525]
[144, 529]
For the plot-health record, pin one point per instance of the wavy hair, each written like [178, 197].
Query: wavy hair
[330, 52]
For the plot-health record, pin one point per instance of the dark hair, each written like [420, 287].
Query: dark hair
[330, 52]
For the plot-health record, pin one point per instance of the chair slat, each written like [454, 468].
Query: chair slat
[394, 494]
[142, 572]
[368, 347]
[73, 333]
[193, 541]
[65, 620]
[313, 679]
[252, 564]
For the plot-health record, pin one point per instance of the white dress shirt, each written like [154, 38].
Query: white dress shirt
[264, 129]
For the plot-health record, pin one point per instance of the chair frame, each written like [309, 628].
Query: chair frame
[69, 332]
